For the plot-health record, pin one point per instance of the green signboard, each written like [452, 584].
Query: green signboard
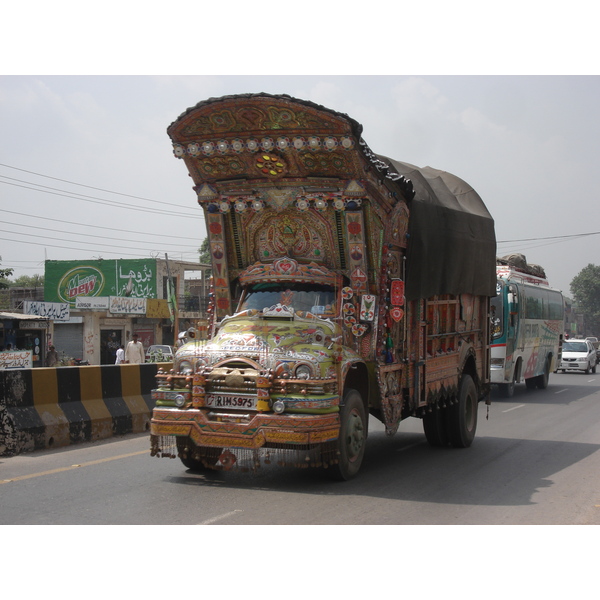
[66, 280]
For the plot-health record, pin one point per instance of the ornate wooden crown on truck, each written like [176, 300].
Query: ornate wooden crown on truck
[344, 285]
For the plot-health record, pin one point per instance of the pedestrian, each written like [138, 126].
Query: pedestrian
[120, 355]
[134, 353]
[51, 357]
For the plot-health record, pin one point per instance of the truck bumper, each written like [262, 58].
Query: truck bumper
[244, 430]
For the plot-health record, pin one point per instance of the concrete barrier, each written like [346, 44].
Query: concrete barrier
[58, 406]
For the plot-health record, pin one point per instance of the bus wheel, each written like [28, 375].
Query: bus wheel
[353, 436]
[507, 389]
[542, 380]
[434, 426]
[462, 416]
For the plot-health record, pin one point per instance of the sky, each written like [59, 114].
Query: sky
[87, 169]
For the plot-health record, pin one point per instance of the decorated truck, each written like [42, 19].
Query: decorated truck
[345, 286]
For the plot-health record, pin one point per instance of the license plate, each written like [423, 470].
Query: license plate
[234, 401]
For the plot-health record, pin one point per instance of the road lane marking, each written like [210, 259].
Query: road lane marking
[513, 408]
[63, 469]
[561, 391]
[221, 517]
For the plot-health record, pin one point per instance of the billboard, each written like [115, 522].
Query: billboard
[67, 280]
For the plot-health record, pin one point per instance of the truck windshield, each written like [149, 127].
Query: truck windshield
[318, 300]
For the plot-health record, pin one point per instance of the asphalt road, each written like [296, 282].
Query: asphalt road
[535, 461]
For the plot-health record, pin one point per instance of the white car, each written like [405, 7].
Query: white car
[578, 355]
[160, 353]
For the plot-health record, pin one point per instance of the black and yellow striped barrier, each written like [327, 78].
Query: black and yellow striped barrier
[58, 406]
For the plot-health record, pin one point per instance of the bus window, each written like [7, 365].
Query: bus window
[497, 315]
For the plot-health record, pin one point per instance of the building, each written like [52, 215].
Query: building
[92, 307]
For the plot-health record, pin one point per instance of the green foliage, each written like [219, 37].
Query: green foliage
[585, 288]
[204, 252]
[4, 274]
[205, 257]
[28, 281]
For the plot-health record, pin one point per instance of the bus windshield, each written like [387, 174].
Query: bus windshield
[316, 299]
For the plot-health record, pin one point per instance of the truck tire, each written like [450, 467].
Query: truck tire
[186, 449]
[434, 426]
[353, 437]
[462, 416]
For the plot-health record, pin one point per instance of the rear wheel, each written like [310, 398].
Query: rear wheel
[462, 416]
[353, 436]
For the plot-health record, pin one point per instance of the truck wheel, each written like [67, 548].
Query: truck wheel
[462, 416]
[353, 436]
[186, 450]
[434, 426]
[542, 380]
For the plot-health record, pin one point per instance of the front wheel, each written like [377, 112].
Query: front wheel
[507, 390]
[197, 458]
[542, 380]
[462, 416]
[352, 438]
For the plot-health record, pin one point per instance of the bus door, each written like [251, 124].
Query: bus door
[512, 321]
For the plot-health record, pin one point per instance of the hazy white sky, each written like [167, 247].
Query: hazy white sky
[86, 167]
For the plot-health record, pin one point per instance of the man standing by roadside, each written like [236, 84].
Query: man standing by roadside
[134, 353]
[51, 357]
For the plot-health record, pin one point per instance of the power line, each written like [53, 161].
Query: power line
[118, 252]
[128, 231]
[555, 237]
[94, 200]
[89, 235]
[86, 186]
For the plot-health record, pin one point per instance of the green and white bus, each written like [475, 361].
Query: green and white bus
[527, 328]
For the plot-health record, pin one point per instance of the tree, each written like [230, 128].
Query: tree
[205, 257]
[28, 281]
[204, 252]
[4, 273]
[585, 288]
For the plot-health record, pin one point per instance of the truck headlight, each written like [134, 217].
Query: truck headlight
[179, 400]
[303, 372]
[278, 406]
[185, 366]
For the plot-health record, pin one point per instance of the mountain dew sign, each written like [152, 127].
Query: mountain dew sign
[65, 281]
